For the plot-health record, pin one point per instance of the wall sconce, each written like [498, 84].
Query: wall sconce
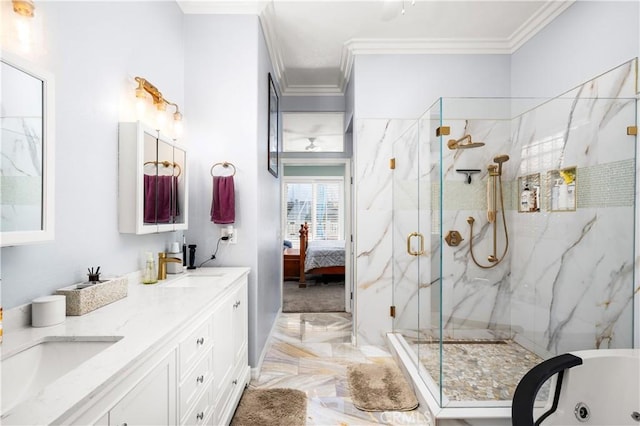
[23, 23]
[23, 7]
[159, 101]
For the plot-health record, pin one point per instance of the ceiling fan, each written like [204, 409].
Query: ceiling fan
[312, 146]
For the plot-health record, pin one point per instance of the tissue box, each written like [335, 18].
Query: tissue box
[80, 302]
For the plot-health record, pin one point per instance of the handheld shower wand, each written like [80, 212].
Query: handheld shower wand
[495, 174]
[499, 160]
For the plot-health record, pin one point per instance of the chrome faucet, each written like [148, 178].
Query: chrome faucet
[162, 264]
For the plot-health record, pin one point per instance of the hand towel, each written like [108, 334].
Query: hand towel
[149, 199]
[223, 206]
[158, 199]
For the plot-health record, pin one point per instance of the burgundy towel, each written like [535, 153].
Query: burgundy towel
[157, 199]
[149, 199]
[223, 206]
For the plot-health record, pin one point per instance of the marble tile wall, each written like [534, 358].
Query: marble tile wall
[566, 281]
[571, 275]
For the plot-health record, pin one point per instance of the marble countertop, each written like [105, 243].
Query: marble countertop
[144, 319]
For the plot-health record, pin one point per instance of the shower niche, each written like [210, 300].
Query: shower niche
[561, 191]
[529, 195]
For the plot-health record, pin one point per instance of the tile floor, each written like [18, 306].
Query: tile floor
[311, 352]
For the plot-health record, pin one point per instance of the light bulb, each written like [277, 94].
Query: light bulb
[161, 120]
[178, 128]
[23, 31]
[141, 106]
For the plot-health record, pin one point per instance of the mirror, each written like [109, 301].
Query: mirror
[152, 182]
[27, 150]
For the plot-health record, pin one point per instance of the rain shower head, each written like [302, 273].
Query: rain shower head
[457, 143]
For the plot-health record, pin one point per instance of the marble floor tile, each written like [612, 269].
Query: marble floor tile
[311, 352]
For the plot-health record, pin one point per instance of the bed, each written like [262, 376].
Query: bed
[321, 257]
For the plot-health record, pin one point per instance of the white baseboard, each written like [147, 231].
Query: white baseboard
[255, 371]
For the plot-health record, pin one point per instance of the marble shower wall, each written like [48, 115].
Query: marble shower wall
[566, 282]
[571, 272]
[374, 226]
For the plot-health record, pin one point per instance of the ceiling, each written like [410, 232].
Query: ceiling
[312, 43]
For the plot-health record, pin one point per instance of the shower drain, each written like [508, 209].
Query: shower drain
[582, 412]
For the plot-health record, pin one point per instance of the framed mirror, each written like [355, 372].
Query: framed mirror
[27, 153]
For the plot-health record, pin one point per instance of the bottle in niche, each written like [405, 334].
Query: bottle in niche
[150, 275]
[555, 194]
[533, 200]
[525, 198]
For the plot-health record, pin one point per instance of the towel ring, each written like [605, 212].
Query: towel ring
[167, 164]
[225, 164]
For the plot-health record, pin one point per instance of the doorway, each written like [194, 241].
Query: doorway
[317, 198]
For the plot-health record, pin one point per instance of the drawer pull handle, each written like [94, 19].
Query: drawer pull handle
[200, 415]
[235, 382]
[200, 379]
[235, 305]
[200, 341]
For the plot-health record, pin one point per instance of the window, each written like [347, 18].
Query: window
[320, 203]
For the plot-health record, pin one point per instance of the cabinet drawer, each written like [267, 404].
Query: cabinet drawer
[201, 411]
[193, 346]
[195, 382]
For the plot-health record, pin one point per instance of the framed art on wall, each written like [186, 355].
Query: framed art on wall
[272, 142]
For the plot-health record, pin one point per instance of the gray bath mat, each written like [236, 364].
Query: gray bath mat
[271, 407]
[377, 387]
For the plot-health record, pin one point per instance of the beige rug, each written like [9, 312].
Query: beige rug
[376, 387]
[271, 407]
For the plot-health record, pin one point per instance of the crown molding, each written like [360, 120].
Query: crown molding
[273, 46]
[416, 46]
[550, 11]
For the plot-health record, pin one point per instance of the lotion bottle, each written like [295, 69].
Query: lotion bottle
[525, 197]
[150, 275]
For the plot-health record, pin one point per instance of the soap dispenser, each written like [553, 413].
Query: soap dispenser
[525, 198]
[150, 275]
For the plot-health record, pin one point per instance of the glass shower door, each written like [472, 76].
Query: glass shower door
[413, 287]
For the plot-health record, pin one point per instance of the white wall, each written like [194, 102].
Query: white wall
[226, 90]
[404, 86]
[94, 49]
[588, 39]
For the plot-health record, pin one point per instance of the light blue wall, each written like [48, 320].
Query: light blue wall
[228, 122]
[588, 39]
[312, 103]
[404, 86]
[93, 63]
[314, 170]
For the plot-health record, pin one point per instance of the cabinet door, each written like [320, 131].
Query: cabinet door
[239, 323]
[223, 350]
[150, 402]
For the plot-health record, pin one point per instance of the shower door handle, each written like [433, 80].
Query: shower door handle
[421, 237]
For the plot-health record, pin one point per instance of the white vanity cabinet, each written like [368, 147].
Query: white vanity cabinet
[230, 347]
[195, 375]
[150, 402]
[152, 181]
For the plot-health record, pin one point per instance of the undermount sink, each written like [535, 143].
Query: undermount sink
[193, 281]
[30, 370]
